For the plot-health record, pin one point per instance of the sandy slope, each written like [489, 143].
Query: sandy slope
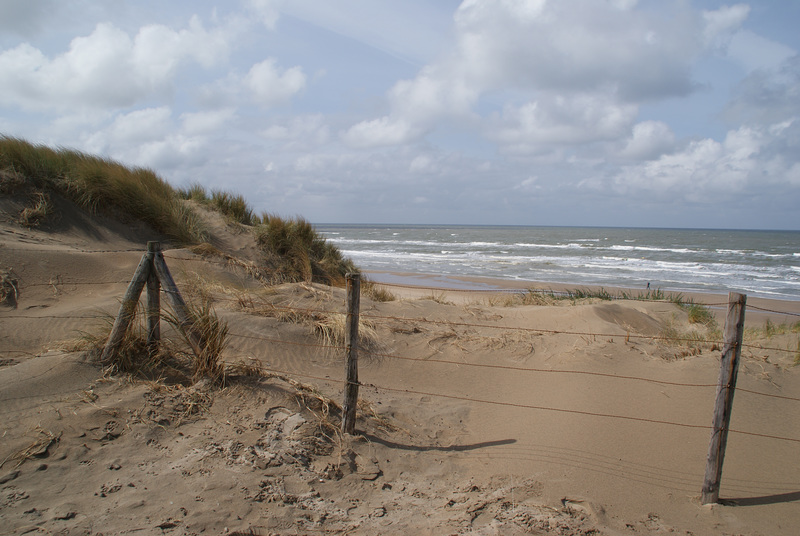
[88, 453]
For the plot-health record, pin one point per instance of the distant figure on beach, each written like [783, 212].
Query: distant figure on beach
[648, 285]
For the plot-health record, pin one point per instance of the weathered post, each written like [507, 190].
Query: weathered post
[729, 367]
[178, 305]
[153, 301]
[351, 350]
[128, 308]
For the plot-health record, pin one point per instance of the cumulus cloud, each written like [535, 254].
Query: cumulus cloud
[267, 11]
[747, 159]
[382, 131]
[299, 133]
[206, 122]
[583, 66]
[649, 140]
[107, 68]
[563, 120]
[270, 85]
[721, 23]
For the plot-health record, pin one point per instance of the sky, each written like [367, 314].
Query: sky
[631, 113]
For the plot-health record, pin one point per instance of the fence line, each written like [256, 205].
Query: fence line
[489, 326]
[506, 367]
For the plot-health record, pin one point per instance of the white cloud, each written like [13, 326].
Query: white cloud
[721, 23]
[206, 122]
[271, 86]
[268, 11]
[575, 45]
[381, 132]
[107, 68]
[140, 125]
[299, 133]
[563, 120]
[649, 140]
[582, 65]
[706, 167]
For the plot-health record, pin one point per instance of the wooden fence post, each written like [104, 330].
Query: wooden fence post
[128, 308]
[729, 367]
[153, 301]
[351, 349]
[178, 305]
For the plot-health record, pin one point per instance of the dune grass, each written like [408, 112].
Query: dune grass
[293, 250]
[234, 206]
[97, 185]
[296, 252]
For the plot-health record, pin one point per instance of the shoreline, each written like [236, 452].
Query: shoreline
[416, 285]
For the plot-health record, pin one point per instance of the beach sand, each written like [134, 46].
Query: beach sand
[479, 415]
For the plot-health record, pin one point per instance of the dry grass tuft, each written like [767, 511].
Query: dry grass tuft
[38, 211]
[376, 292]
[10, 181]
[212, 334]
[9, 288]
[331, 328]
[440, 298]
[36, 449]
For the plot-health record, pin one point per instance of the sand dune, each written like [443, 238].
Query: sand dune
[479, 416]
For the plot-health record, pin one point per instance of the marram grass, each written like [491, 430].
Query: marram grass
[292, 249]
[95, 183]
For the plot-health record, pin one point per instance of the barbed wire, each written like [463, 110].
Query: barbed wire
[74, 250]
[772, 310]
[530, 406]
[506, 367]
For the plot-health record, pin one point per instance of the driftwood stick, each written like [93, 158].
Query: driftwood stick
[128, 309]
[729, 367]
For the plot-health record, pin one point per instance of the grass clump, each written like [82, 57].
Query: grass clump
[376, 292]
[296, 252]
[331, 328]
[212, 333]
[95, 183]
[232, 206]
[37, 212]
[9, 289]
[699, 314]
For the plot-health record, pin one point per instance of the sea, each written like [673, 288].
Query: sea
[757, 263]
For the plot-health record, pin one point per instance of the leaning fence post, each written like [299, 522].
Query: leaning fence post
[153, 301]
[351, 349]
[731, 352]
[128, 308]
[178, 305]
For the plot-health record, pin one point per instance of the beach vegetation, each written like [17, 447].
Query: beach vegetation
[331, 329]
[37, 212]
[9, 288]
[132, 355]
[699, 314]
[294, 251]
[376, 292]
[212, 333]
[95, 184]
[233, 206]
[439, 297]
